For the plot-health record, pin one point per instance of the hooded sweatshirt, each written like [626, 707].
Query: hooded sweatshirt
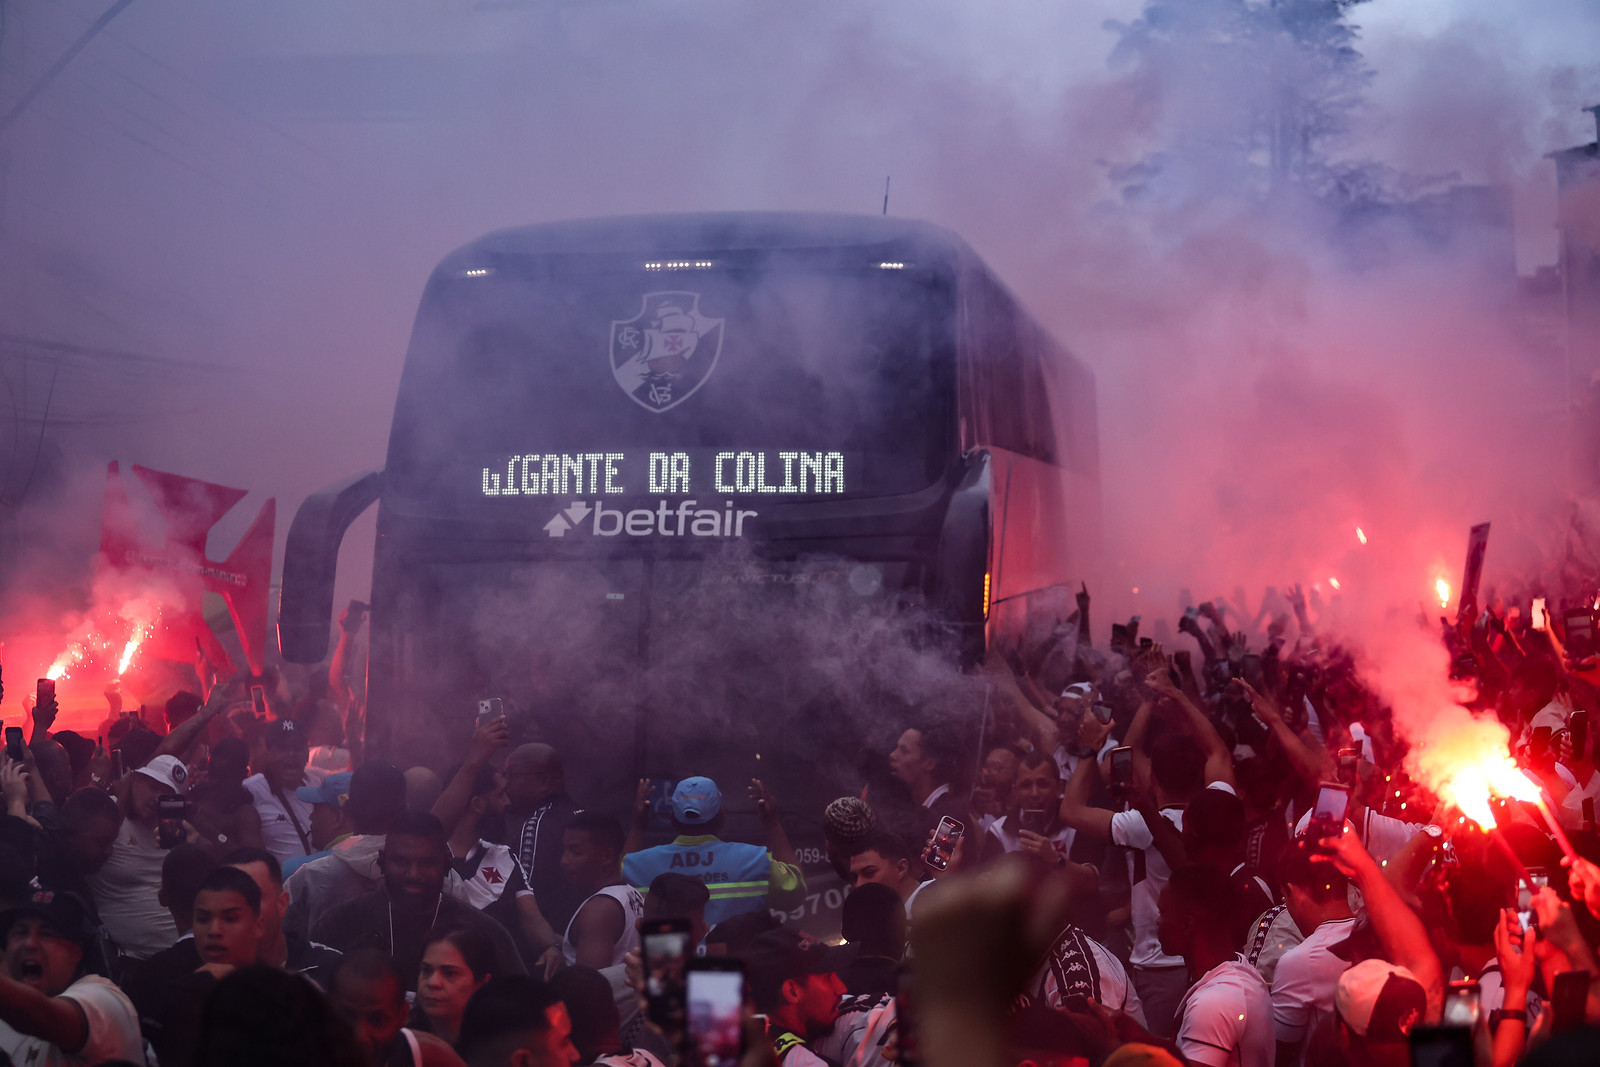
[349, 870]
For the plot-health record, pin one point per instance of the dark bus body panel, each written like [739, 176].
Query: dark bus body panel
[967, 488]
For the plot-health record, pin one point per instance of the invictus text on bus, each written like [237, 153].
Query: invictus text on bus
[594, 473]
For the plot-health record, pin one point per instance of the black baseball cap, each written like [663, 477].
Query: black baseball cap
[65, 913]
[779, 955]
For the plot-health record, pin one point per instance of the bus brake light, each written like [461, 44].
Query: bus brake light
[986, 580]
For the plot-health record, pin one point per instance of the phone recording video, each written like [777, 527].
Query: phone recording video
[1034, 820]
[941, 850]
[1328, 814]
[715, 995]
[1461, 1004]
[258, 700]
[171, 810]
[1121, 770]
[666, 950]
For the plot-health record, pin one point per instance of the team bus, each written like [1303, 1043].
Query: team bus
[663, 484]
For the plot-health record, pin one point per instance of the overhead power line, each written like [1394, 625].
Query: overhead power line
[61, 64]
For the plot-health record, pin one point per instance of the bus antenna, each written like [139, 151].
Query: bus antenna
[886, 194]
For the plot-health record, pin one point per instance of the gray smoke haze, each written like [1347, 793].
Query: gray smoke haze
[264, 192]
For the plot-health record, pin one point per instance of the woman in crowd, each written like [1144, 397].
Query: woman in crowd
[456, 962]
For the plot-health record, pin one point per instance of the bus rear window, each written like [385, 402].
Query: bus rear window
[685, 381]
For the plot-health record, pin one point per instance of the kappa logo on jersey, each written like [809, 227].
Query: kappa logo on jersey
[667, 351]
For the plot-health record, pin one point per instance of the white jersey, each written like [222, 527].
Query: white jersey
[1305, 980]
[1225, 1019]
[285, 818]
[113, 1030]
[632, 902]
[1079, 966]
[1148, 873]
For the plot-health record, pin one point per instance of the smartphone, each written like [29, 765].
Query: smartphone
[490, 710]
[258, 700]
[1034, 820]
[1348, 758]
[1121, 769]
[1328, 814]
[1578, 731]
[117, 766]
[1146, 642]
[715, 997]
[46, 691]
[1539, 744]
[943, 846]
[1525, 913]
[1461, 1004]
[1568, 996]
[666, 949]
[1579, 625]
[171, 810]
[15, 749]
[1441, 1046]
[1537, 618]
[1103, 713]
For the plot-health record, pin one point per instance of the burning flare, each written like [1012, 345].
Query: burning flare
[1494, 774]
[1334, 582]
[1442, 587]
[1361, 535]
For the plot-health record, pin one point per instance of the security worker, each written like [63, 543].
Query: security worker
[740, 877]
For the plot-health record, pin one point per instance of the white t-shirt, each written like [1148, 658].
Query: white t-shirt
[637, 1058]
[1383, 837]
[1225, 1019]
[278, 835]
[632, 902]
[1271, 935]
[113, 1030]
[1128, 830]
[1304, 983]
[1571, 810]
[126, 889]
[1011, 840]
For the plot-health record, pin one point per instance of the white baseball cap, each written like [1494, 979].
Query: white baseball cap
[169, 771]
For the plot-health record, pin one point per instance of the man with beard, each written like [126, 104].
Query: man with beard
[52, 1014]
[486, 875]
[395, 919]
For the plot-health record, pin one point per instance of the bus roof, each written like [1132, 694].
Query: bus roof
[878, 237]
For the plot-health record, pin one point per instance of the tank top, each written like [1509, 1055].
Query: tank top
[632, 902]
[406, 1050]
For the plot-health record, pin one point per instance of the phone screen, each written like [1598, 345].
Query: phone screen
[716, 1006]
[1536, 618]
[15, 748]
[1461, 1004]
[1121, 767]
[171, 810]
[258, 699]
[666, 951]
[1327, 817]
[942, 849]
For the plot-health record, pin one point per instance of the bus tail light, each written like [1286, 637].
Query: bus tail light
[986, 588]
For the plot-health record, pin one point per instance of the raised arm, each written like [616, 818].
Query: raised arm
[1404, 938]
[453, 800]
[183, 737]
[1219, 761]
[1076, 810]
[57, 1021]
[1310, 761]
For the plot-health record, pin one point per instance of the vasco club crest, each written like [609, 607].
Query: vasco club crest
[667, 351]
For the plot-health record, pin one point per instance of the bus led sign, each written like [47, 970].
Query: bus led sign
[668, 474]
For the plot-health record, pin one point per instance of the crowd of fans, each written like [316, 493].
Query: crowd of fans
[1141, 872]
